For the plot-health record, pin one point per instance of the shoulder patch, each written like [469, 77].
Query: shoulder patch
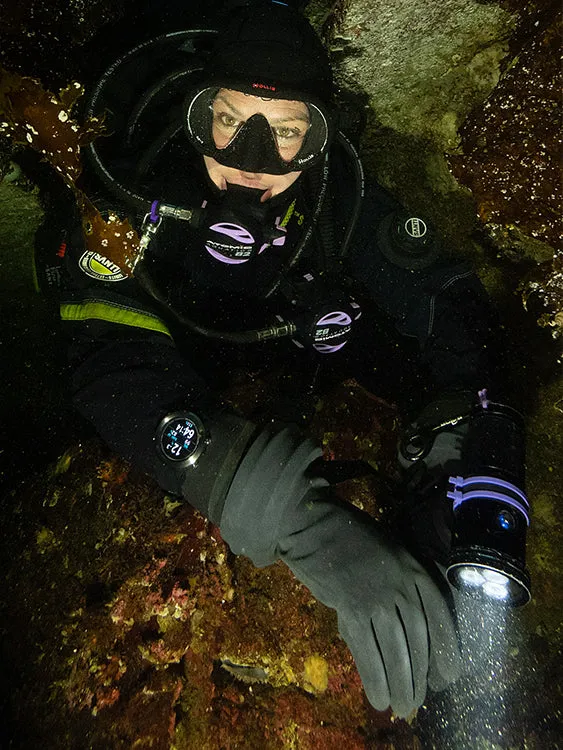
[100, 268]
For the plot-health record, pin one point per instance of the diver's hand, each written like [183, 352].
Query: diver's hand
[405, 641]
[391, 613]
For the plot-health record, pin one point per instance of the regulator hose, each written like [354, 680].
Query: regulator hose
[360, 183]
[97, 104]
[254, 336]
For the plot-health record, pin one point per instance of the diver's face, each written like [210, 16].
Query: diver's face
[289, 121]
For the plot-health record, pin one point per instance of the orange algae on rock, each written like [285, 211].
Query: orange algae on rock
[33, 117]
[37, 118]
[152, 615]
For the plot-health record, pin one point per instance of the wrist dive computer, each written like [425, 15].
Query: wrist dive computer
[181, 438]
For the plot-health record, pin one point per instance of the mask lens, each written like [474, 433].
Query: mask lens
[199, 120]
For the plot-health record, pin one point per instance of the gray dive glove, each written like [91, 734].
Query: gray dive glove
[392, 615]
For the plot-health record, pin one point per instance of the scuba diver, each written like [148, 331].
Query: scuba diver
[258, 235]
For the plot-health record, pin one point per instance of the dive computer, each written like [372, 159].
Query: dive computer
[181, 438]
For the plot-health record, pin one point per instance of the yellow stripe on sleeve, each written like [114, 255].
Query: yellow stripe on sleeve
[112, 313]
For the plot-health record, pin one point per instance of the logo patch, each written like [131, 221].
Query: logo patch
[100, 268]
[239, 250]
[415, 227]
[263, 86]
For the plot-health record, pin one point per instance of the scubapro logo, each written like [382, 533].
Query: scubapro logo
[415, 227]
[100, 268]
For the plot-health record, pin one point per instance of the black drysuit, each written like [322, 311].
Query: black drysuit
[134, 363]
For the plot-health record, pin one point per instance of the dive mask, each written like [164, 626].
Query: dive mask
[281, 136]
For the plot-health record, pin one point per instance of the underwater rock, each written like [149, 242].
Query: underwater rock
[144, 630]
[460, 95]
[423, 65]
[511, 153]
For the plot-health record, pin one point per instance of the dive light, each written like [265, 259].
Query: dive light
[490, 509]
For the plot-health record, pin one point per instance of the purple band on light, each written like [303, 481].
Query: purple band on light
[483, 398]
[154, 217]
[460, 483]
[460, 496]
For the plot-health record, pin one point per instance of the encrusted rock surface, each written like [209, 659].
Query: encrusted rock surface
[144, 631]
[129, 624]
[511, 155]
[423, 64]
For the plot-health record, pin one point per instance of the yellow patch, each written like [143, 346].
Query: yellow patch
[316, 674]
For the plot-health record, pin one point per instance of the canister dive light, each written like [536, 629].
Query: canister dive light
[490, 509]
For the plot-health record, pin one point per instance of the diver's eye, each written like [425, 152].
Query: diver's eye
[288, 134]
[227, 120]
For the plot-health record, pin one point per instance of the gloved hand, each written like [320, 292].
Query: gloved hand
[391, 613]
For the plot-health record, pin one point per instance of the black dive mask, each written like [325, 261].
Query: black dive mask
[238, 227]
[260, 144]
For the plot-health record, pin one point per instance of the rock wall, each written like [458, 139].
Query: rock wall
[511, 159]
[424, 64]
[463, 108]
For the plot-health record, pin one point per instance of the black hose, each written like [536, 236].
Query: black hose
[359, 174]
[108, 73]
[147, 98]
[148, 285]
[168, 134]
[306, 236]
[121, 192]
[95, 108]
[317, 212]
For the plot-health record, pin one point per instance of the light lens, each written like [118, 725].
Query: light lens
[471, 576]
[499, 591]
[487, 581]
[495, 577]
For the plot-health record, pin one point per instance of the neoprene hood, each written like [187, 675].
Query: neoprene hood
[271, 49]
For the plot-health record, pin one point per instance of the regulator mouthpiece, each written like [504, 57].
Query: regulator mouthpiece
[491, 511]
